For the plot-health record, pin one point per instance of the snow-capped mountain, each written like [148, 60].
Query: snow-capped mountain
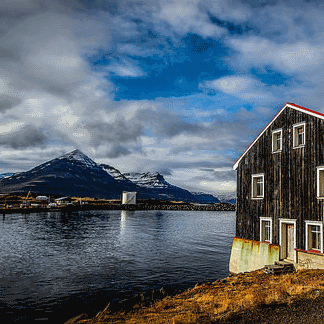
[148, 180]
[75, 174]
[116, 174]
[78, 156]
[156, 182]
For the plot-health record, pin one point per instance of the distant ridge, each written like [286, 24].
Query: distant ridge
[75, 174]
[4, 175]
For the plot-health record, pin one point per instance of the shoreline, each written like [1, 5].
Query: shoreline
[252, 297]
[188, 207]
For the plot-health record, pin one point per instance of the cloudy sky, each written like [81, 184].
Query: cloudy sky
[174, 86]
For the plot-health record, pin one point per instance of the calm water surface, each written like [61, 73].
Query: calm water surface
[54, 265]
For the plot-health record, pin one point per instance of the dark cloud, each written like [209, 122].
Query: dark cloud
[165, 123]
[118, 151]
[27, 136]
[120, 131]
[219, 175]
[8, 102]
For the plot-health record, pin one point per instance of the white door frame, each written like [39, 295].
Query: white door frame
[285, 221]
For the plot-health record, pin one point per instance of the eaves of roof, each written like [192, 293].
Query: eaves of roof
[290, 105]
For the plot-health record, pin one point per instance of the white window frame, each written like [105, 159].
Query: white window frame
[318, 170]
[314, 223]
[294, 134]
[262, 221]
[259, 175]
[273, 140]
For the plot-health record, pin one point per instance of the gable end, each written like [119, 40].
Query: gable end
[287, 105]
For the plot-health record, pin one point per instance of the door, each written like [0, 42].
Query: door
[290, 248]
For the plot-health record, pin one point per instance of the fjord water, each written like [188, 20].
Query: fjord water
[54, 266]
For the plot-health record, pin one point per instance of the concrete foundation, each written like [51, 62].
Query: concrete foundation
[306, 260]
[248, 255]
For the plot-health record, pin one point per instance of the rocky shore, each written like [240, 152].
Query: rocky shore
[118, 206]
[253, 297]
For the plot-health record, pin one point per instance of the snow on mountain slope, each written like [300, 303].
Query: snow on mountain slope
[148, 180]
[5, 175]
[116, 174]
[80, 157]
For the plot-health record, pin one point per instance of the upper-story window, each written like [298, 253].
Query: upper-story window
[258, 186]
[299, 135]
[277, 141]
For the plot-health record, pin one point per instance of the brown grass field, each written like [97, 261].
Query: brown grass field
[253, 297]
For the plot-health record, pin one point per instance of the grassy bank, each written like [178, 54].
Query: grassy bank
[246, 298]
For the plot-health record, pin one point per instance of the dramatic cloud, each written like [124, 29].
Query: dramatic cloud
[21, 136]
[8, 102]
[179, 87]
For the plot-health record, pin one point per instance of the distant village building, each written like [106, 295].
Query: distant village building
[63, 201]
[280, 193]
[42, 198]
[129, 198]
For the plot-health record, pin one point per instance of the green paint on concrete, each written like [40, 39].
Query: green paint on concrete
[248, 255]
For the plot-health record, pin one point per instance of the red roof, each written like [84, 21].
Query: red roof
[288, 104]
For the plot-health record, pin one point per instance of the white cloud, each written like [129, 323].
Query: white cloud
[243, 87]
[126, 69]
[296, 57]
[188, 16]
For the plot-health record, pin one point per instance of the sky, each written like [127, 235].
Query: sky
[171, 86]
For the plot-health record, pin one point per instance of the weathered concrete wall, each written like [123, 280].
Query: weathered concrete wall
[248, 255]
[309, 260]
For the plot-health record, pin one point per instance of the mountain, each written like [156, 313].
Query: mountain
[156, 183]
[116, 174]
[227, 197]
[75, 174]
[149, 180]
[5, 175]
[203, 198]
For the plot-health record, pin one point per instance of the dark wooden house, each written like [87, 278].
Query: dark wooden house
[280, 186]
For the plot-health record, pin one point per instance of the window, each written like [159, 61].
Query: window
[314, 234]
[257, 186]
[266, 229]
[320, 182]
[277, 141]
[299, 135]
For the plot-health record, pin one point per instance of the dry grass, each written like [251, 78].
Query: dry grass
[208, 303]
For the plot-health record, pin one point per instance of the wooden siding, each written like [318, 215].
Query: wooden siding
[289, 178]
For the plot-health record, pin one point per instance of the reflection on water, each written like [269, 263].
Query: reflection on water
[56, 265]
